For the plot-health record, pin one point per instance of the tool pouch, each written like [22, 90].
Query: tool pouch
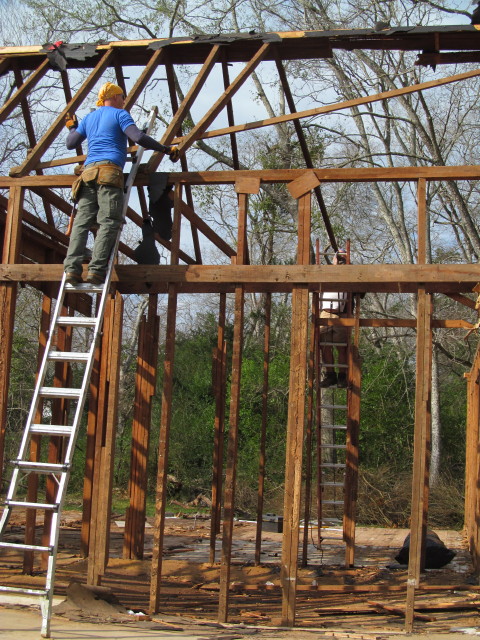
[110, 175]
[76, 186]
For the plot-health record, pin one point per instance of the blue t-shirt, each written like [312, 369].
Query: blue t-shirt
[104, 130]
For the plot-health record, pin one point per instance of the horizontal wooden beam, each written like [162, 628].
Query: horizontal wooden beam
[390, 174]
[398, 278]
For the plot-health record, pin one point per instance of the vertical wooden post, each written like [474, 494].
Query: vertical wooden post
[299, 189]
[353, 429]
[105, 444]
[309, 438]
[8, 297]
[166, 415]
[219, 424]
[145, 378]
[471, 457]
[263, 431]
[243, 188]
[422, 426]
[95, 401]
[422, 418]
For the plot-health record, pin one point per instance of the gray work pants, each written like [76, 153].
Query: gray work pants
[98, 204]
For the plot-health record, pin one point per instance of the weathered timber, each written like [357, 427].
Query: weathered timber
[263, 428]
[295, 421]
[422, 426]
[234, 418]
[8, 297]
[272, 176]
[165, 417]
[400, 278]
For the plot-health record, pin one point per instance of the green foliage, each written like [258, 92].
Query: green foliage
[388, 386]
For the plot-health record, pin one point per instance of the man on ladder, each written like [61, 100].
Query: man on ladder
[99, 190]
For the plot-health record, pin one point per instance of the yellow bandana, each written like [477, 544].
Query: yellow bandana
[107, 91]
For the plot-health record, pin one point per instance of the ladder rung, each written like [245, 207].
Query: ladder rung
[31, 505]
[40, 467]
[331, 484]
[68, 356]
[84, 287]
[77, 321]
[333, 465]
[333, 426]
[332, 501]
[60, 392]
[51, 429]
[333, 344]
[333, 446]
[30, 592]
[28, 547]
[333, 406]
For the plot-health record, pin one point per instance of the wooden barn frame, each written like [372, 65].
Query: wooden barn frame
[34, 248]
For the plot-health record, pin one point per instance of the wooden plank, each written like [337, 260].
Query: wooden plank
[273, 176]
[247, 185]
[355, 278]
[307, 182]
[422, 399]
[471, 455]
[295, 421]
[309, 429]
[219, 424]
[263, 428]
[351, 470]
[105, 446]
[339, 106]
[230, 115]
[165, 417]
[172, 89]
[233, 432]
[24, 90]
[93, 414]
[182, 111]
[422, 232]
[227, 95]
[8, 297]
[35, 154]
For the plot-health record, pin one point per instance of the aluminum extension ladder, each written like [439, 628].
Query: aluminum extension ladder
[22, 466]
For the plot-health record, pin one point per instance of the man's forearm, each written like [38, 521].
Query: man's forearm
[136, 135]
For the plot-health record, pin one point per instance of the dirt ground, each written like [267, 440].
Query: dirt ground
[448, 600]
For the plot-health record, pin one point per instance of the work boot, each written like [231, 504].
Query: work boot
[95, 278]
[328, 380]
[342, 381]
[73, 278]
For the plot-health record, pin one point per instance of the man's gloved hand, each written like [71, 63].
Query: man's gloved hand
[174, 154]
[71, 121]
